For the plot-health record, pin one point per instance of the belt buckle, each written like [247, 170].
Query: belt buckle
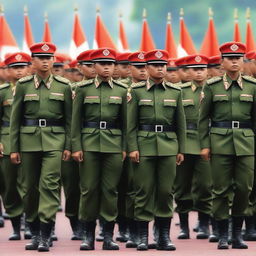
[103, 125]
[159, 128]
[235, 124]
[42, 122]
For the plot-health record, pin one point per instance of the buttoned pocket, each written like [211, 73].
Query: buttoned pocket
[248, 133]
[56, 102]
[31, 102]
[146, 102]
[91, 100]
[58, 129]
[170, 103]
[188, 102]
[220, 97]
[246, 101]
[28, 129]
[115, 100]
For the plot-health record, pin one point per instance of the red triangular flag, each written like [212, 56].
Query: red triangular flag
[237, 34]
[170, 45]
[28, 39]
[122, 43]
[250, 45]
[47, 37]
[79, 42]
[102, 37]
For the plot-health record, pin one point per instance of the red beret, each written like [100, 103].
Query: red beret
[43, 49]
[196, 61]
[2, 65]
[59, 60]
[85, 57]
[17, 59]
[157, 57]
[73, 64]
[137, 58]
[103, 54]
[181, 62]
[214, 61]
[122, 58]
[233, 49]
[250, 55]
[171, 66]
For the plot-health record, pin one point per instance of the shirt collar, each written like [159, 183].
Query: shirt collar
[47, 82]
[195, 86]
[151, 83]
[98, 82]
[228, 81]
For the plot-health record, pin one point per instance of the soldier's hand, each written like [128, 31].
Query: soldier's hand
[179, 159]
[124, 155]
[1, 150]
[66, 155]
[206, 154]
[135, 156]
[78, 156]
[15, 158]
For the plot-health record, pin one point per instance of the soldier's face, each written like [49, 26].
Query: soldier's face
[216, 71]
[172, 76]
[232, 64]
[184, 74]
[58, 71]
[88, 70]
[116, 74]
[104, 69]
[124, 70]
[17, 72]
[139, 73]
[198, 74]
[157, 71]
[42, 64]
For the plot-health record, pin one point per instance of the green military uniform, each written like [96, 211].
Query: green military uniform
[40, 130]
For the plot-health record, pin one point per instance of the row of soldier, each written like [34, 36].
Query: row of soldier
[141, 130]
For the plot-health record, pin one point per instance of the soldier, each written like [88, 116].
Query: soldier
[229, 103]
[172, 74]
[156, 140]
[193, 167]
[214, 67]
[58, 65]
[248, 58]
[182, 70]
[72, 73]
[40, 139]
[17, 64]
[123, 68]
[99, 145]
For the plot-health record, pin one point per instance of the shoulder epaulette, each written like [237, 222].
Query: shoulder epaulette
[249, 79]
[214, 80]
[120, 84]
[138, 85]
[84, 82]
[62, 79]
[174, 86]
[25, 79]
[184, 85]
[5, 85]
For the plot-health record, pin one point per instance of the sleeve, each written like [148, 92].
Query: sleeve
[16, 118]
[204, 117]
[76, 120]
[68, 115]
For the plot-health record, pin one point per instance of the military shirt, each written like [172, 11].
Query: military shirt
[151, 104]
[225, 100]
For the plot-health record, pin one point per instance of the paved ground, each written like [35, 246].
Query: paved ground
[67, 247]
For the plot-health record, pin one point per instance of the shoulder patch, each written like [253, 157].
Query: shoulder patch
[185, 85]
[25, 79]
[214, 80]
[249, 79]
[62, 79]
[120, 83]
[5, 85]
[138, 85]
[83, 83]
[174, 86]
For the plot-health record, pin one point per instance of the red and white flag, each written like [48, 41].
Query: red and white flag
[250, 44]
[237, 34]
[122, 43]
[170, 45]
[47, 37]
[28, 39]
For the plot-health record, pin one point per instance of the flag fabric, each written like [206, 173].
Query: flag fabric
[210, 45]
[147, 42]
[102, 37]
[170, 45]
[237, 34]
[186, 45]
[250, 45]
[79, 42]
[8, 43]
[28, 39]
[122, 43]
[47, 37]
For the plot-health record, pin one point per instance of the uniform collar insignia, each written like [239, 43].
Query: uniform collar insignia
[98, 81]
[227, 81]
[47, 84]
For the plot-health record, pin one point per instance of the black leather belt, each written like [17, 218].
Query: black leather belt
[232, 125]
[191, 126]
[157, 128]
[42, 122]
[5, 124]
[103, 125]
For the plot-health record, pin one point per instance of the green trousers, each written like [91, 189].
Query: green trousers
[153, 183]
[11, 175]
[99, 177]
[231, 174]
[70, 181]
[41, 173]
[194, 168]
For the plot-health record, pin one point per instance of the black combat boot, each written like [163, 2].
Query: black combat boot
[1, 215]
[53, 235]
[250, 232]
[133, 234]
[143, 236]
[16, 222]
[184, 228]
[76, 228]
[214, 236]
[100, 236]
[27, 232]
[223, 234]
[203, 229]
[108, 243]
[237, 240]
[45, 237]
[35, 231]
[155, 235]
[122, 229]
[88, 242]
[164, 242]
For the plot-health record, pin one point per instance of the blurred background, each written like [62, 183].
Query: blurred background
[61, 16]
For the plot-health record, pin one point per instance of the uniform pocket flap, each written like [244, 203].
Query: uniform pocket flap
[188, 102]
[171, 135]
[143, 134]
[28, 129]
[5, 130]
[58, 129]
[31, 97]
[116, 132]
[246, 97]
[248, 133]
[146, 102]
[220, 131]
[220, 97]
[192, 132]
[7, 102]
[88, 130]
[115, 100]
[170, 103]
[56, 96]
[92, 99]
